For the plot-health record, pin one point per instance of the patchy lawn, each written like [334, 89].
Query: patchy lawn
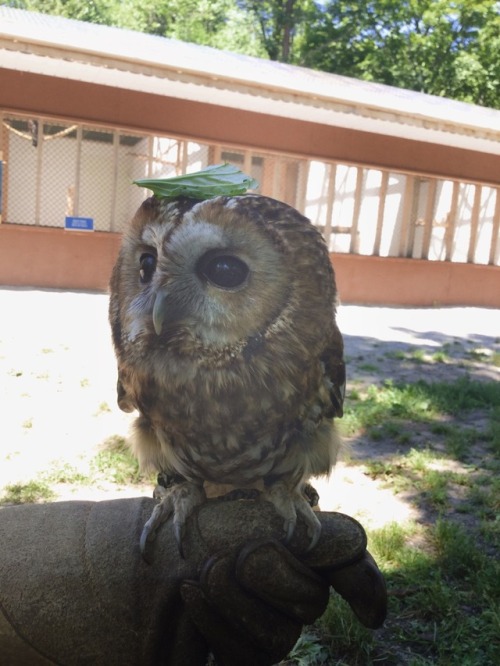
[422, 474]
[420, 470]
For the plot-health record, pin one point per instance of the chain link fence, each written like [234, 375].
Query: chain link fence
[54, 169]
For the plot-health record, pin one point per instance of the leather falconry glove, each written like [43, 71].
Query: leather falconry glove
[74, 588]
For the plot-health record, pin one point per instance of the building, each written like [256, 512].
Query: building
[404, 186]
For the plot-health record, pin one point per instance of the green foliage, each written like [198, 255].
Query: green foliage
[443, 574]
[385, 403]
[218, 23]
[459, 440]
[443, 601]
[116, 463]
[345, 637]
[494, 430]
[94, 11]
[464, 394]
[280, 23]
[442, 47]
[64, 473]
[440, 357]
[215, 180]
[27, 493]
[389, 543]
[308, 651]
[456, 551]
[390, 404]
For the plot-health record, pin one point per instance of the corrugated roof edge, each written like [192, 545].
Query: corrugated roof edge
[136, 47]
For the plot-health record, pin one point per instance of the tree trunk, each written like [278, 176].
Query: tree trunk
[287, 30]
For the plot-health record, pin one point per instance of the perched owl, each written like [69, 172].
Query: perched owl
[223, 320]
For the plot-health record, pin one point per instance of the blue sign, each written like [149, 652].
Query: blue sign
[79, 223]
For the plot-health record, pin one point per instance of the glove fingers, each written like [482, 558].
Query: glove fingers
[272, 573]
[182, 642]
[363, 587]
[234, 636]
[267, 627]
[225, 642]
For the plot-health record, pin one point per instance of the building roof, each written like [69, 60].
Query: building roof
[50, 45]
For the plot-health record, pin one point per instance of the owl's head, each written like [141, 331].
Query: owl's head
[219, 271]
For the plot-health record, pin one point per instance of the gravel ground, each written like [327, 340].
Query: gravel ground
[58, 379]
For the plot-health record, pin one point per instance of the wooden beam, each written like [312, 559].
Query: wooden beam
[429, 217]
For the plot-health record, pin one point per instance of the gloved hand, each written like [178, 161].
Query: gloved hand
[251, 612]
[74, 588]
[250, 604]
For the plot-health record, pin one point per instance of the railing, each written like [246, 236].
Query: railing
[53, 169]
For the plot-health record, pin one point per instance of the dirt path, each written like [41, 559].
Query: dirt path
[403, 345]
[57, 386]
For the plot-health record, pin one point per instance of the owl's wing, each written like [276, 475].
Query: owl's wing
[124, 399]
[333, 359]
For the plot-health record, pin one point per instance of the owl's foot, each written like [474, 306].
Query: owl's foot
[290, 502]
[178, 500]
[311, 495]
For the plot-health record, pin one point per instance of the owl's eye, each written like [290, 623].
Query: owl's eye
[148, 267]
[224, 271]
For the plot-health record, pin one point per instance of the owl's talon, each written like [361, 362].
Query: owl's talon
[290, 502]
[145, 539]
[313, 531]
[312, 522]
[179, 533]
[159, 493]
[162, 511]
[289, 526]
[179, 501]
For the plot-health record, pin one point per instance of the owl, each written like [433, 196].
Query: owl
[223, 322]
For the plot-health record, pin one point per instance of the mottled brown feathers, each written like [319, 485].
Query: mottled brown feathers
[234, 384]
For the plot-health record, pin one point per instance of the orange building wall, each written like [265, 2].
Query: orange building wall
[55, 258]
[59, 259]
[415, 282]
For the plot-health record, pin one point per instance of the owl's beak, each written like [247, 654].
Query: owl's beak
[159, 310]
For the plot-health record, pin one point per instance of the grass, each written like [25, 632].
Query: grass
[442, 571]
[116, 463]
[28, 493]
[441, 356]
[444, 603]
[418, 356]
[113, 463]
[103, 408]
[368, 367]
[391, 405]
[344, 636]
[309, 650]
[444, 355]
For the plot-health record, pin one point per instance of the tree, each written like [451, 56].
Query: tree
[219, 23]
[279, 22]
[94, 11]
[442, 47]
[189, 20]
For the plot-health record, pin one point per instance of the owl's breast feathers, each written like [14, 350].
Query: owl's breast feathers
[240, 414]
[245, 381]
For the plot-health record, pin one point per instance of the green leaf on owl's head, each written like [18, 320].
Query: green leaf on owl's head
[216, 180]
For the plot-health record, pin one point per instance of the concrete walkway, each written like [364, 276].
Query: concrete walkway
[58, 378]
